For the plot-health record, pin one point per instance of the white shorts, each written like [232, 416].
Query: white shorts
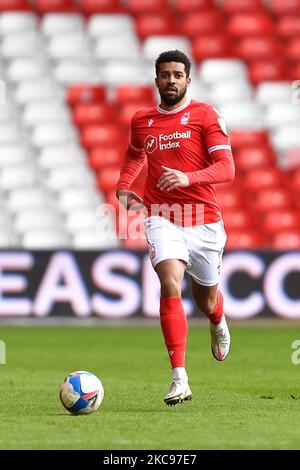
[201, 247]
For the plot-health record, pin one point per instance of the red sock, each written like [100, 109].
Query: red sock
[215, 316]
[174, 327]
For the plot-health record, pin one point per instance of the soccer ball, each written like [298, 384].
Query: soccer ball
[81, 392]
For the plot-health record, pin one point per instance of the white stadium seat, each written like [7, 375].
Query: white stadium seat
[8, 112]
[90, 240]
[17, 22]
[281, 114]
[78, 220]
[55, 155]
[215, 70]
[110, 48]
[27, 69]
[29, 198]
[118, 72]
[39, 89]
[9, 133]
[72, 45]
[154, 45]
[286, 138]
[53, 133]
[79, 198]
[45, 111]
[273, 92]
[60, 23]
[102, 25]
[68, 71]
[14, 154]
[62, 177]
[45, 239]
[13, 177]
[8, 239]
[230, 91]
[242, 115]
[29, 44]
[39, 219]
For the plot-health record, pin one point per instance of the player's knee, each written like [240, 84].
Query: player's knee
[170, 286]
[207, 306]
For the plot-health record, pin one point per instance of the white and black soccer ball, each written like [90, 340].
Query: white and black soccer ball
[81, 392]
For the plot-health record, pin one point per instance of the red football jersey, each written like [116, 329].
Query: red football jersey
[185, 139]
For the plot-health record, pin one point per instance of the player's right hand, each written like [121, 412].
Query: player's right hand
[129, 199]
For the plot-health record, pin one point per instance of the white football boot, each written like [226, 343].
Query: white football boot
[220, 340]
[179, 392]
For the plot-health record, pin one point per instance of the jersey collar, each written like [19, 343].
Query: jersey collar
[174, 111]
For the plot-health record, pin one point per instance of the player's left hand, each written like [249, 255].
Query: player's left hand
[172, 179]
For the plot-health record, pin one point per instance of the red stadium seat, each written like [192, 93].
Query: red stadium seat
[92, 113]
[211, 46]
[248, 158]
[241, 139]
[229, 200]
[191, 6]
[251, 24]
[136, 7]
[292, 49]
[270, 199]
[100, 6]
[100, 134]
[267, 70]
[244, 239]
[14, 5]
[128, 110]
[108, 178]
[241, 6]
[296, 181]
[258, 48]
[154, 24]
[133, 93]
[85, 94]
[281, 220]
[237, 219]
[105, 155]
[287, 240]
[47, 6]
[288, 26]
[198, 23]
[293, 71]
[292, 159]
[285, 7]
[262, 178]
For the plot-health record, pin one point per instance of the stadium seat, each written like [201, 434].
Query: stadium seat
[61, 23]
[282, 114]
[133, 93]
[272, 92]
[85, 93]
[14, 177]
[291, 159]
[287, 240]
[69, 45]
[46, 6]
[295, 178]
[280, 220]
[17, 22]
[27, 69]
[258, 48]
[69, 71]
[286, 138]
[237, 219]
[216, 70]
[102, 156]
[115, 48]
[46, 111]
[200, 23]
[92, 113]
[154, 45]
[91, 240]
[9, 133]
[79, 198]
[241, 6]
[100, 134]
[269, 199]
[62, 178]
[117, 25]
[14, 154]
[211, 46]
[288, 26]
[33, 197]
[63, 154]
[118, 72]
[136, 7]
[230, 91]
[292, 48]
[21, 45]
[8, 239]
[244, 239]
[45, 239]
[267, 70]
[14, 5]
[284, 7]
[100, 6]
[78, 220]
[242, 115]
[39, 89]
[154, 24]
[229, 200]
[192, 6]
[249, 24]
[249, 158]
[247, 138]
[53, 134]
[108, 178]
[260, 178]
[36, 219]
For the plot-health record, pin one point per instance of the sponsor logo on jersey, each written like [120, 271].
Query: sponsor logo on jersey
[150, 143]
[185, 119]
[166, 141]
[150, 122]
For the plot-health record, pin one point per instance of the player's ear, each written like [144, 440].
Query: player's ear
[156, 81]
[188, 82]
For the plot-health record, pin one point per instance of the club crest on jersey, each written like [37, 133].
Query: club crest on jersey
[150, 144]
[185, 119]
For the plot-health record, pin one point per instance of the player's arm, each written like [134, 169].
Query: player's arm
[221, 168]
[131, 168]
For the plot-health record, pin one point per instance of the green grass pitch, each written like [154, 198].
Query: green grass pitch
[251, 401]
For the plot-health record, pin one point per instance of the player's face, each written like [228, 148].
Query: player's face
[172, 82]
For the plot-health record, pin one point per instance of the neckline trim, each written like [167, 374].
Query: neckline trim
[174, 111]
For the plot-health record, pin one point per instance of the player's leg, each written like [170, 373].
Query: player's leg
[210, 301]
[174, 326]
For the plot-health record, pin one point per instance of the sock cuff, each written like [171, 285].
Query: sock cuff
[168, 303]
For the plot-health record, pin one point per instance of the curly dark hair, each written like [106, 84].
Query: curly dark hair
[173, 56]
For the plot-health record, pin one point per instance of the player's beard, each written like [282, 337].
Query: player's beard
[171, 100]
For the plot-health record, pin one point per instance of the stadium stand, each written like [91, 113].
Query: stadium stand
[76, 71]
